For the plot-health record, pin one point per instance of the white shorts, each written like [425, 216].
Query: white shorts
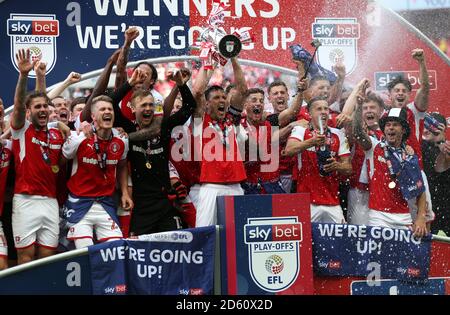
[358, 206]
[3, 243]
[390, 220]
[35, 219]
[98, 218]
[194, 193]
[412, 204]
[327, 214]
[207, 206]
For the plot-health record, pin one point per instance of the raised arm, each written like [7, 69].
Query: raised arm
[350, 103]
[336, 89]
[121, 71]
[72, 78]
[25, 66]
[40, 69]
[199, 88]
[290, 113]
[359, 132]
[421, 99]
[100, 86]
[170, 99]
[237, 100]
[189, 103]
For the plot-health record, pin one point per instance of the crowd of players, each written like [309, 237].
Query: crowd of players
[128, 162]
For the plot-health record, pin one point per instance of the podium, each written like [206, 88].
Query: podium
[265, 244]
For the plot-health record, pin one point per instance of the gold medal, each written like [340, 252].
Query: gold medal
[55, 169]
[392, 185]
[148, 165]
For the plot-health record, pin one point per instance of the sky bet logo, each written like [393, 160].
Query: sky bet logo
[327, 30]
[382, 79]
[36, 27]
[274, 233]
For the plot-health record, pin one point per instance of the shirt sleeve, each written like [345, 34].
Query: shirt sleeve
[344, 148]
[186, 111]
[298, 133]
[18, 133]
[126, 148]
[173, 173]
[369, 155]
[70, 146]
[8, 144]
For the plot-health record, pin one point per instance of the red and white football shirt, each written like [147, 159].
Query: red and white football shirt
[323, 189]
[33, 175]
[358, 163]
[87, 178]
[259, 145]
[221, 164]
[5, 159]
[381, 197]
[415, 118]
[181, 158]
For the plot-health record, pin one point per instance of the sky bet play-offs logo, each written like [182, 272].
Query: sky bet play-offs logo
[339, 39]
[273, 251]
[36, 32]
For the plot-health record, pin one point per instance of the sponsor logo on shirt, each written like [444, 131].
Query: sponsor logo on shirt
[94, 161]
[136, 148]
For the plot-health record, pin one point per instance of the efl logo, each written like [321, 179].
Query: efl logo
[36, 32]
[274, 251]
[24, 27]
[339, 39]
[382, 79]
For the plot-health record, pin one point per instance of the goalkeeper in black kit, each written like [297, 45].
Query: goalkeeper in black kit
[149, 153]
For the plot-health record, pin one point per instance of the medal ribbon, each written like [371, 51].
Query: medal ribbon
[147, 155]
[387, 155]
[223, 132]
[101, 156]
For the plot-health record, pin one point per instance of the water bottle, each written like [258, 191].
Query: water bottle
[323, 154]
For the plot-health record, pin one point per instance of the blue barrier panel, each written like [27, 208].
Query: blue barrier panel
[433, 286]
[178, 262]
[69, 276]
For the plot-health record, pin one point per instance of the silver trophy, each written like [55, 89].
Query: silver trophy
[316, 44]
[227, 45]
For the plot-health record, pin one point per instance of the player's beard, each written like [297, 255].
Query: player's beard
[39, 122]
